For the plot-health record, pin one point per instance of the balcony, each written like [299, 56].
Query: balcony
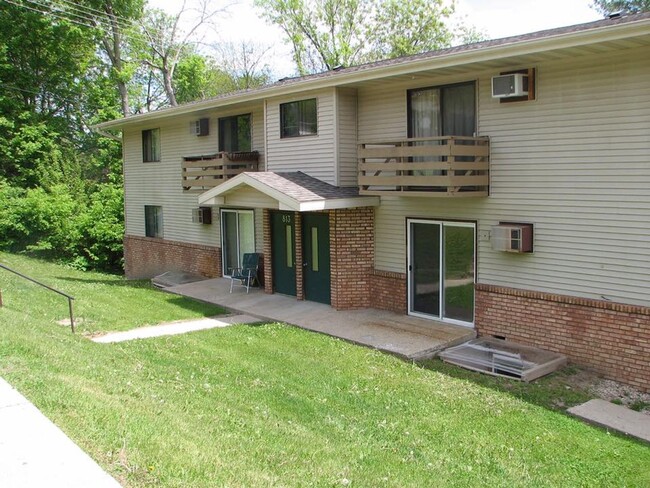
[447, 166]
[200, 173]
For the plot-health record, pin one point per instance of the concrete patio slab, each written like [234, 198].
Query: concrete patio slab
[34, 452]
[175, 328]
[614, 417]
[405, 336]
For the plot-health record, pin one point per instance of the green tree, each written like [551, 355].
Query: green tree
[607, 7]
[325, 34]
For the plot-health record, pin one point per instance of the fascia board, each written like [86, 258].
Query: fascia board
[490, 53]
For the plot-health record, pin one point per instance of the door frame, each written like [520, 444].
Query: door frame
[293, 289]
[306, 245]
[236, 211]
[441, 256]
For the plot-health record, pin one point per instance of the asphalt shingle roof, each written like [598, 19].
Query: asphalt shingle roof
[302, 187]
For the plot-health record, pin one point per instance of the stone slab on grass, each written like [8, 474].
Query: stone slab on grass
[175, 328]
[614, 417]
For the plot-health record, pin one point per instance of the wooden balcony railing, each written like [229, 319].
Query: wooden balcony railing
[200, 173]
[448, 166]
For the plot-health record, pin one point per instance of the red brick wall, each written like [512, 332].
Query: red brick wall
[146, 257]
[300, 290]
[610, 338]
[268, 264]
[352, 253]
[388, 291]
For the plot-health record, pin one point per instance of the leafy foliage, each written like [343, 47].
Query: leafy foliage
[607, 7]
[325, 34]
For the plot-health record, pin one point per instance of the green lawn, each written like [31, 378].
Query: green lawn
[273, 405]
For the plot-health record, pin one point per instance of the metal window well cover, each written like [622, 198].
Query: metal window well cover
[503, 358]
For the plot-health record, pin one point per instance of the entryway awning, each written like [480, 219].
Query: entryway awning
[294, 191]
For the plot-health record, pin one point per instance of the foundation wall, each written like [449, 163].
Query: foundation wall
[146, 257]
[612, 339]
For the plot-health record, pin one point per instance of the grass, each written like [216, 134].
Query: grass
[273, 405]
[103, 302]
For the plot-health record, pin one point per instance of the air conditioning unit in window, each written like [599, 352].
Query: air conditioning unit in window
[512, 237]
[200, 127]
[202, 215]
[512, 85]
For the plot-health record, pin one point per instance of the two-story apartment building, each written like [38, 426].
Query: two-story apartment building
[503, 185]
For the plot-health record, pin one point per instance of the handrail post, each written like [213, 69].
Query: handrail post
[71, 316]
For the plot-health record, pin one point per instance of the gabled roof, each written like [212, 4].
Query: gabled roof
[293, 190]
[608, 29]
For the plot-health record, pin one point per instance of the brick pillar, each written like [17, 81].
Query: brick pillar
[352, 253]
[268, 254]
[300, 292]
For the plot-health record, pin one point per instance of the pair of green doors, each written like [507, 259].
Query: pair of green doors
[315, 255]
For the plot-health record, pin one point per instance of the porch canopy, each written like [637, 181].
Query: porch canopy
[294, 191]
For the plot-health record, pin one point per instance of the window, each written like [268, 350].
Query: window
[237, 237]
[153, 224]
[442, 111]
[298, 118]
[150, 145]
[235, 133]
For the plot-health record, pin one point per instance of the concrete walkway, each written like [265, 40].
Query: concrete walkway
[405, 336]
[175, 328]
[615, 417]
[36, 453]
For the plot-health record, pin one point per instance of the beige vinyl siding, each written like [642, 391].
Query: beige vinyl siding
[159, 183]
[346, 111]
[575, 163]
[247, 197]
[314, 155]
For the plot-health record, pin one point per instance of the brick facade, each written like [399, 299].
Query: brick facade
[612, 339]
[352, 257]
[146, 257]
[388, 291]
[268, 264]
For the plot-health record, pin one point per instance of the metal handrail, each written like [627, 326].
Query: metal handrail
[69, 297]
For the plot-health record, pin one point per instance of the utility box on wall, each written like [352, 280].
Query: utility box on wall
[516, 238]
[202, 215]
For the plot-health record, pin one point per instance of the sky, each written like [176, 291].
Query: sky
[496, 18]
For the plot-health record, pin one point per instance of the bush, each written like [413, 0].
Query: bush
[84, 231]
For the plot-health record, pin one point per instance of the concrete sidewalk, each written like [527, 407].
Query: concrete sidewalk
[175, 328]
[403, 335]
[36, 453]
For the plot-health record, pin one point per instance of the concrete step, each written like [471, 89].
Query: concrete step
[615, 417]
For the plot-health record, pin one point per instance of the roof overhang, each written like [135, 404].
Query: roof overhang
[217, 196]
[508, 48]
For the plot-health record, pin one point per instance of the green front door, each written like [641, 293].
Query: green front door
[316, 257]
[284, 252]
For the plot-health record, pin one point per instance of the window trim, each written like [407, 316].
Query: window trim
[240, 255]
[283, 132]
[221, 141]
[151, 154]
[409, 123]
[157, 222]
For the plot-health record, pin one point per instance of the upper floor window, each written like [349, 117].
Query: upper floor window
[235, 133]
[153, 222]
[298, 118]
[448, 110]
[150, 145]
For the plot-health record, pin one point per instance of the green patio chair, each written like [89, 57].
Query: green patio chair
[245, 276]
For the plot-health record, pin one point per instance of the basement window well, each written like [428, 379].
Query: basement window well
[503, 358]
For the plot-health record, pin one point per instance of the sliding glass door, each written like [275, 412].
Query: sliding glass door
[441, 264]
[237, 237]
